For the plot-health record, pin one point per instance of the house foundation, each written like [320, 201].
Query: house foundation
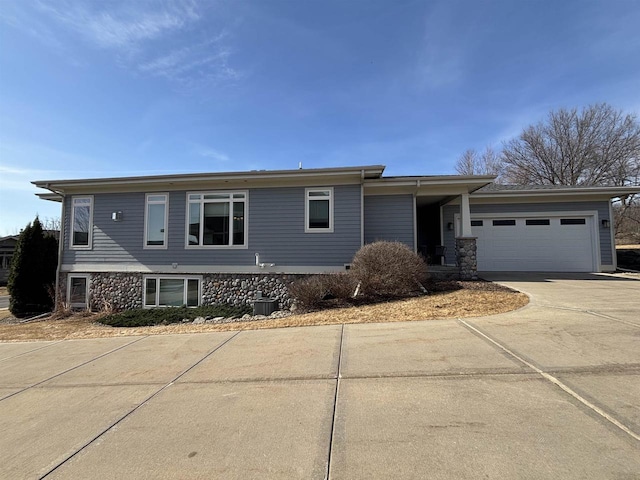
[124, 291]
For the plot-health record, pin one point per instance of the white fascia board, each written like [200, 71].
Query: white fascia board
[197, 269]
[549, 198]
[218, 180]
[469, 182]
[608, 192]
[443, 188]
[53, 197]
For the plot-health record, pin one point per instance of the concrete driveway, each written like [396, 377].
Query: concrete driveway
[549, 391]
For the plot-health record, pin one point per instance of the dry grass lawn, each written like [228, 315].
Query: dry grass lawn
[439, 305]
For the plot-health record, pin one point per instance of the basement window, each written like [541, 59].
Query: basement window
[78, 291]
[171, 292]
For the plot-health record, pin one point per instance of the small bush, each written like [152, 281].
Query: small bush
[164, 316]
[312, 293]
[309, 292]
[340, 285]
[388, 269]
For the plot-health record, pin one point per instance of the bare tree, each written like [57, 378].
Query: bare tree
[486, 163]
[596, 146]
[51, 223]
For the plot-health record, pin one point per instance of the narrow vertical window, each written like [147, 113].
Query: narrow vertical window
[319, 210]
[193, 292]
[156, 221]
[81, 222]
[77, 291]
[150, 289]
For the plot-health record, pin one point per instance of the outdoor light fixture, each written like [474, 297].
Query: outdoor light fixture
[450, 226]
[605, 223]
[116, 216]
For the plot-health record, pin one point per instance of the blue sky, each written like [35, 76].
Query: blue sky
[109, 88]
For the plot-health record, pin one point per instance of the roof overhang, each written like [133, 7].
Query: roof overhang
[555, 194]
[53, 197]
[436, 185]
[224, 180]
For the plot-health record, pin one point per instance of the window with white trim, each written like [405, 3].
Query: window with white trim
[155, 220]
[171, 291]
[318, 211]
[78, 291]
[81, 221]
[217, 220]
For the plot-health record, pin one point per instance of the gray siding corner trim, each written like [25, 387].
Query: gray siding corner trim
[390, 218]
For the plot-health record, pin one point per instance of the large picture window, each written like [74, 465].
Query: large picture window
[81, 221]
[171, 291]
[155, 221]
[217, 219]
[318, 210]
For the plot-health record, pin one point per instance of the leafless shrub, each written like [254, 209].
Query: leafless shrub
[309, 292]
[340, 285]
[388, 269]
[62, 310]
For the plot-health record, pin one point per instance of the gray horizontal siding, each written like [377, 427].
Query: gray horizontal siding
[389, 217]
[602, 207]
[275, 230]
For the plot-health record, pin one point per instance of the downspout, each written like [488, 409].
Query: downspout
[415, 217]
[362, 208]
[60, 245]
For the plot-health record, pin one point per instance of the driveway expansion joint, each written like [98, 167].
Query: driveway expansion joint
[603, 415]
[335, 405]
[140, 405]
[73, 368]
[588, 312]
[31, 351]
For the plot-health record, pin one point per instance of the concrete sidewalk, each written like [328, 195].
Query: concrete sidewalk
[549, 391]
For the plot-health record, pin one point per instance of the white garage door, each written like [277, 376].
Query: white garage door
[544, 244]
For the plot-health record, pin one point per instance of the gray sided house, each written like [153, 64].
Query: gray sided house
[7, 247]
[198, 239]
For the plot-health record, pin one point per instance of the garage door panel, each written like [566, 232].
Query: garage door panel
[560, 246]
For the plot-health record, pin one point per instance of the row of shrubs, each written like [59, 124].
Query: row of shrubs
[379, 271]
[141, 317]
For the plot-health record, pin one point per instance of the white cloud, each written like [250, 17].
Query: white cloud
[441, 56]
[148, 37]
[123, 28]
[211, 153]
[204, 61]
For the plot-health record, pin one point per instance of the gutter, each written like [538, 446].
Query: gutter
[60, 242]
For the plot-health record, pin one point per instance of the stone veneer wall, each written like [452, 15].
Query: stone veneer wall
[242, 289]
[466, 249]
[117, 291]
[123, 291]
